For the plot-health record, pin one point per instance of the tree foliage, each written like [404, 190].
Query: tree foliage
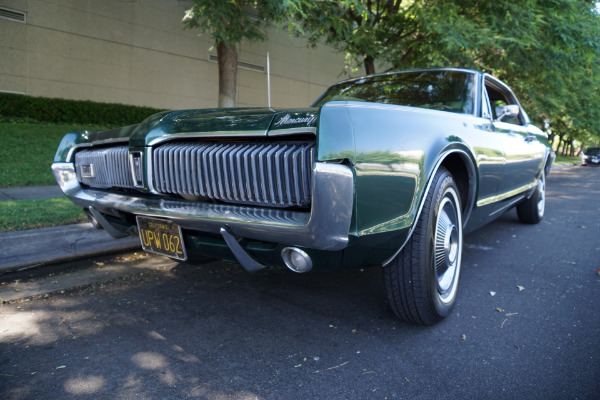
[547, 50]
[229, 22]
[366, 30]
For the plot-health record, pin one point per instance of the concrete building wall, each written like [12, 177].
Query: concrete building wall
[137, 52]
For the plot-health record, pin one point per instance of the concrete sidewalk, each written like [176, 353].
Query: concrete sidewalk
[21, 249]
[30, 193]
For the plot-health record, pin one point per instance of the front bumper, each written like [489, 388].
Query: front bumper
[325, 227]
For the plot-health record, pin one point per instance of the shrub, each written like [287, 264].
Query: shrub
[55, 110]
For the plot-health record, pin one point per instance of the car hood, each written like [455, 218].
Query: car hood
[236, 122]
[224, 122]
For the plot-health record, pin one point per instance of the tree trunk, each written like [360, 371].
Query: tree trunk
[227, 74]
[551, 136]
[369, 65]
[565, 148]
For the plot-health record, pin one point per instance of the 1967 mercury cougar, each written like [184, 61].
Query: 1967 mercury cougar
[387, 170]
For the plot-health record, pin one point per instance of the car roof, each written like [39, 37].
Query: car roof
[397, 72]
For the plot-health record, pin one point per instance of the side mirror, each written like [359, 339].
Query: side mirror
[507, 112]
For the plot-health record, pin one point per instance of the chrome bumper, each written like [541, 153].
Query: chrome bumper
[325, 227]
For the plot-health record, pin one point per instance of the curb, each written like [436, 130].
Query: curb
[31, 248]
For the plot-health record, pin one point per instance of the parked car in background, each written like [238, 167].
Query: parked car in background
[387, 170]
[591, 156]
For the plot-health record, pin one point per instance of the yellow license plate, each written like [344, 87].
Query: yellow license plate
[161, 236]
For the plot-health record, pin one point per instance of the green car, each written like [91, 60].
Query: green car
[386, 170]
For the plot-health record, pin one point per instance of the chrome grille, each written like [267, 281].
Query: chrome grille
[104, 168]
[273, 174]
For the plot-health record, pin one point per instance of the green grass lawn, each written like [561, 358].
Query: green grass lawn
[564, 160]
[27, 151]
[31, 214]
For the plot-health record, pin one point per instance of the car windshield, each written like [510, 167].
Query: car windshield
[592, 151]
[439, 90]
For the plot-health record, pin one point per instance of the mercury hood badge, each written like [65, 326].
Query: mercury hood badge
[288, 120]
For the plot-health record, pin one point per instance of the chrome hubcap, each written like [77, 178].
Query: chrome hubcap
[448, 247]
[451, 245]
[541, 204]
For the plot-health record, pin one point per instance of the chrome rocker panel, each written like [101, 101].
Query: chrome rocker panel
[326, 227]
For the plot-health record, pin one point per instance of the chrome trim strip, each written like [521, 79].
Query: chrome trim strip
[232, 134]
[214, 134]
[93, 144]
[291, 131]
[504, 196]
[149, 168]
[507, 206]
[134, 174]
[326, 227]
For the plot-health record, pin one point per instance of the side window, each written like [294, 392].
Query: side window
[498, 98]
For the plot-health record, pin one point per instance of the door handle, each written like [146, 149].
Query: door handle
[530, 138]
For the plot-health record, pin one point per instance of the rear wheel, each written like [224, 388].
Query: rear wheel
[531, 210]
[422, 281]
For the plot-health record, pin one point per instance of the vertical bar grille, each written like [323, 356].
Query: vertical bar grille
[273, 174]
[104, 168]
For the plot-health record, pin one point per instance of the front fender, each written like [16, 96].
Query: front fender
[460, 162]
[397, 150]
[394, 152]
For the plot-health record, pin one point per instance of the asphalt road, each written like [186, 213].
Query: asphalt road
[527, 324]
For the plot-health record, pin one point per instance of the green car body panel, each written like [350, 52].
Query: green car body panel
[385, 155]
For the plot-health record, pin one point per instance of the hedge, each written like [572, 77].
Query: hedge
[55, 110]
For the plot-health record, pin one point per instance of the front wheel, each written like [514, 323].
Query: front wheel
[531, 210]
[421, 282]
